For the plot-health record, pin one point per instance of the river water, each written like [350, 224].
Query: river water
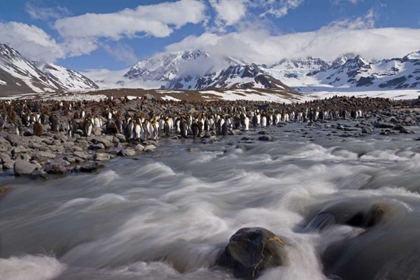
[169, 215]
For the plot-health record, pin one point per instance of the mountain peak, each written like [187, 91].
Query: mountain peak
[20, 75]
[412, 56]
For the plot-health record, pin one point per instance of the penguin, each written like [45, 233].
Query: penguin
[112, 127]
[166, 128]
[54, 123]
[38, 130]
[225, 129]
[200, 127]
[263, 121]
[254, 121]
[183, 128]
[137, 131]
[206, 125]
[129, 130]
[87, 127]
[246, 123]
[194, 129]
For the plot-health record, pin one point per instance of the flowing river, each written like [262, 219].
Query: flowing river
[168, 215]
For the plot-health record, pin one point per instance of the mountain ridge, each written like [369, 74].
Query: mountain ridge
[20, 75]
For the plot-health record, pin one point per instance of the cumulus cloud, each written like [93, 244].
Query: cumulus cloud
[158, 20]
[30, 41]
[46, 13]
[229, 12]
[327, 43]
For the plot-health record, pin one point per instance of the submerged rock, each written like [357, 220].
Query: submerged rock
[251, 251]
[266, 138]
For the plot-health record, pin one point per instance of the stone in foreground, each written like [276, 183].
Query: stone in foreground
[22, 167]
[251, 251]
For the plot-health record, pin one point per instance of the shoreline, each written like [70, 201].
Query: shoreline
[122, 127]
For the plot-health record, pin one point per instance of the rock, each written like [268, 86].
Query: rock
[101, 157]
[97, 131]
[139, 148]
[266, 138]
[19, 149]
[120, 137]
[14, 139]
[8, 165]
[128, 152]
[90, 166]
[193, 150]
[56, 168]
[28, 133]
[4, 145]
[401, 129]
[38, 174]
[367, 130]
[77, 149]
[22, 168]
[44, 156]
[98, 146]
[104, 141]
[150, 148]
[48, 141]
[69, 159]
[262, 133]
[383, 125]
[37, 146]
[81, 155]
[251, 251]
[61, 137]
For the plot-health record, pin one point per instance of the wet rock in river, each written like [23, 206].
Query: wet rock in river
[90, 166]
[55, 168]
[127, 152]
[266, 138]
[251, 251]
[101, 157]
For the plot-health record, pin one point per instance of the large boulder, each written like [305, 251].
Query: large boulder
[22, 167]
[251, 251]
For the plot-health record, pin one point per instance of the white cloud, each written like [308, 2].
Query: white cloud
[30, 41]
[229, 12]
[327, 43]
[153, 20]
[278, 8]
[122, 52]
[364, 22]
[46, 13]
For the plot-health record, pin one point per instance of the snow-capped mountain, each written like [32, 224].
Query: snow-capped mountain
[198, 70]
[66, 78]
[19, 75]
[233, 77]
[396, 73]
[163, 67]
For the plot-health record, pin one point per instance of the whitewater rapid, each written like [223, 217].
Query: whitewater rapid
[169, 215]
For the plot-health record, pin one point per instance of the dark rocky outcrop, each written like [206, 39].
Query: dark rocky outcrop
[251, 251]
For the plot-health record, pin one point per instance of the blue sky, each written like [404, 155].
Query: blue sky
[265, 30]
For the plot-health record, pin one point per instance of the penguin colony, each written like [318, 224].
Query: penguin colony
[145, 119]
